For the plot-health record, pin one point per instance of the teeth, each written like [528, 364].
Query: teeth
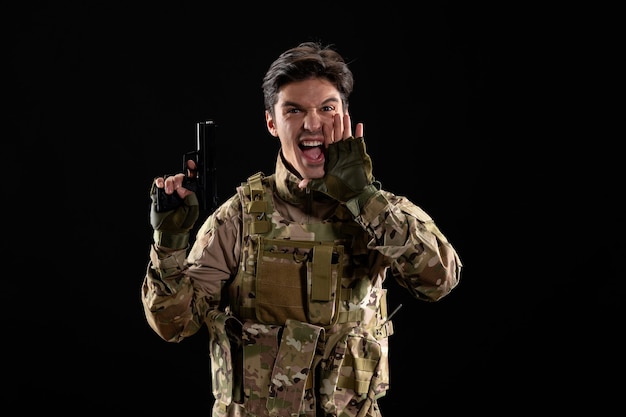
[311, 143]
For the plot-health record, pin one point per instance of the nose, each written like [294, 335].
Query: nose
[313, 121]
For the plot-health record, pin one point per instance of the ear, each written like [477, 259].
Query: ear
[269, 122]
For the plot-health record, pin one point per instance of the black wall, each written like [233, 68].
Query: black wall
[459, 113]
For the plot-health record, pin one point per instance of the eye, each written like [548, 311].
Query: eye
[293, 110]
[328, 108]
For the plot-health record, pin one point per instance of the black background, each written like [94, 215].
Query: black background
[463, 110]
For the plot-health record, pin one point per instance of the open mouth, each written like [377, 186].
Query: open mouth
[312, 150]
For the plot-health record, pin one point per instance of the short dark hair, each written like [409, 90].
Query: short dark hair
[305, 61]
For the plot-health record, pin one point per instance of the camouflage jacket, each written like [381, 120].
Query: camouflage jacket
[279, 272]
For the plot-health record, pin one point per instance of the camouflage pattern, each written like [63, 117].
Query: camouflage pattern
[302, 326]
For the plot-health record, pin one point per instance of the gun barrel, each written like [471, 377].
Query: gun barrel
[207, 180]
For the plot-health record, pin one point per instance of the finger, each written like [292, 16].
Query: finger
[178, 185]
[169, 185]
[192, 168]
[302, 184]
[327, 130]
[183, 192]
[337, 127]
[347, 126]
[173, 183]
[358, 131]
[159, 182]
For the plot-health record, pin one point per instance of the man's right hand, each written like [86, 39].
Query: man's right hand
[171, 228]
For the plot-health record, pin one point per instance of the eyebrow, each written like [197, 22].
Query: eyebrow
[325, 102]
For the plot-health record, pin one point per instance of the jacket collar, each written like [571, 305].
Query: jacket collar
[287, 182]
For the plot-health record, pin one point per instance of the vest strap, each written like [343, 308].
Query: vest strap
[256, 186]
[257, 206]
[260, 226]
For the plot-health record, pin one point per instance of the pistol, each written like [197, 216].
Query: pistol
[203, 180]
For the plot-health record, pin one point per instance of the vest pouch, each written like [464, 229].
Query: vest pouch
[357, 370]
[298, 280]
[224, 349]
[324, 285]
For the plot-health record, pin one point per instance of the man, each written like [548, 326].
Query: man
[288, 273]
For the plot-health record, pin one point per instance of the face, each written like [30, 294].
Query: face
[303, 112]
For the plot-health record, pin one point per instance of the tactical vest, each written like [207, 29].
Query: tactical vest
[305, 317]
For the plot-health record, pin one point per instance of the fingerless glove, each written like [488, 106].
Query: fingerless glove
[171, 228]
[348, 177]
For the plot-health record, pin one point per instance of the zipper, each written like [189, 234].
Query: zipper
[308, 203]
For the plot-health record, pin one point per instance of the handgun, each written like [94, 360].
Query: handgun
[203, 180]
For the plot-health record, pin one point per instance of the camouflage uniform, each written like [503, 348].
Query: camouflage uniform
[291, 290]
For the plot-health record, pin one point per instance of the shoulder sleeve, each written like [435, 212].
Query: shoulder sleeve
[179, 290]
[422, 259]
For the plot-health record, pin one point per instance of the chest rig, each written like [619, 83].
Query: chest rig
[305, 272]
[304, 301]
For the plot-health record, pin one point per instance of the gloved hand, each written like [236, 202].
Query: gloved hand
[171, 228]
[348, 177]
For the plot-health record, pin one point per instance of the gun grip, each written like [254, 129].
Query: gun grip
[166, 202]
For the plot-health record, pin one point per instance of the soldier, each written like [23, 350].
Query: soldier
[288, 273]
